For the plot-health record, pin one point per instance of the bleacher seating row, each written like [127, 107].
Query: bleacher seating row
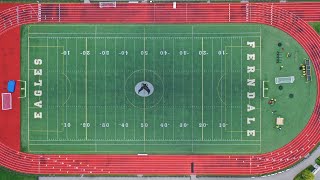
[308, 69]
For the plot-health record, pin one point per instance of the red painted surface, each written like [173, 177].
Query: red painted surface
[10, 70]
[274, 14]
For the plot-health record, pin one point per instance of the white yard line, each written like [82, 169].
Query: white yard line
[202, 89]
[144, 99]
[115, 89]
[66, 104]
[173, 88]
[221, 86]
[134, 78]
[47, 90]
[57, 90]
[212, 110]
[163, 99]
[192, 113]
[28, 90]
[260, 88]
[86, 89]
[124, 89]
[241, 115]
[105, 88]
[154, 67]
[76, 53]
[95, 84]
[231, 89]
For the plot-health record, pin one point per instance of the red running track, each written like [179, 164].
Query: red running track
[288, 17]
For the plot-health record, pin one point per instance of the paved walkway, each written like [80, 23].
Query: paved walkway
[286, 175]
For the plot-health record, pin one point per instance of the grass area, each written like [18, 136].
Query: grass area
[318, 161]
[316, 26]
[6, 174]
[306, 174]
[199, 74]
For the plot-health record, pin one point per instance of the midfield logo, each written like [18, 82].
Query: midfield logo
[144, 89]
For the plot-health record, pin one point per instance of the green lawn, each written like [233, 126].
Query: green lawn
[81, 94]
[6, 174]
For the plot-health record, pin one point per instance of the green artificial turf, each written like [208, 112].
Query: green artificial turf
[88, 102]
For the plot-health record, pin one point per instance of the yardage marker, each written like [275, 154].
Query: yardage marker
[47, 90]
[241, 115]
[202, 88]
[86, 88]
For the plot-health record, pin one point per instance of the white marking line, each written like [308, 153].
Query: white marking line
[163, 100]
[124, 89]
[47, 90]
[183, 95]
[137, 140]
[260, 88]
[57, 89]
[105, 88]
[134, 79]
[173, 88]
[202, 89]
[144, 98]
[192, 113]
[231, 88]
[140, 34]
[76, 52]
[115, 88]
[86, 89]
[66, 104]
[95, 88]
[221, 85]
[212, 88]
[28, 90]
[154, 67]
[241, 115]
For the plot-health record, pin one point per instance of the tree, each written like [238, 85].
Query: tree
[307, 175]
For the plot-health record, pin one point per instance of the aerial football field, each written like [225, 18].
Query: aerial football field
[207, 89]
